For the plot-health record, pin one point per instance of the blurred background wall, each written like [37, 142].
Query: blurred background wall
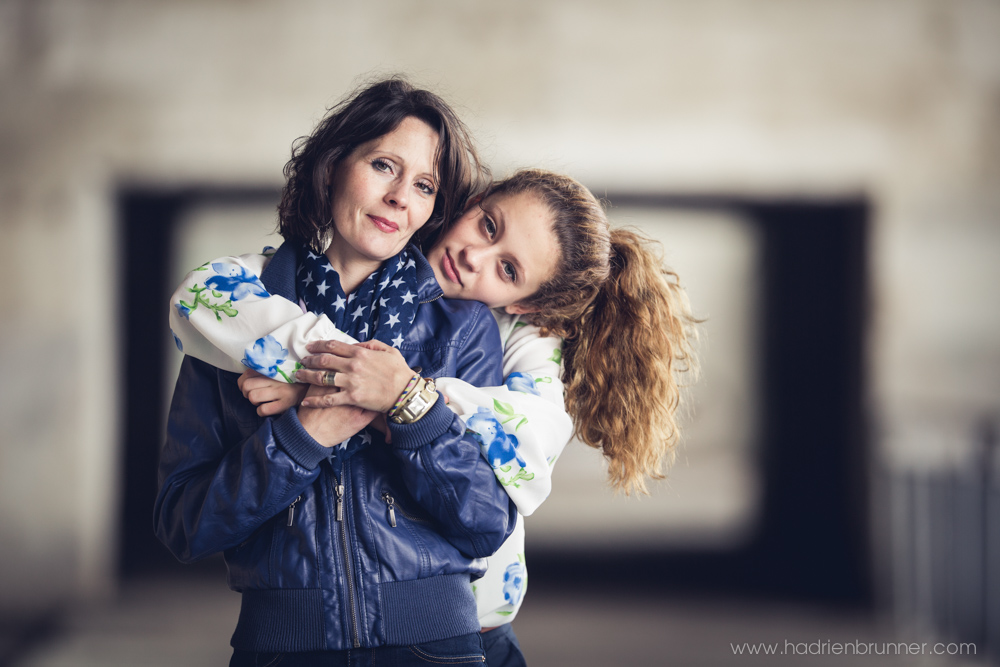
[691, 117]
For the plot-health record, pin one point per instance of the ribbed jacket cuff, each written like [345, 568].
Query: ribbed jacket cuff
[430, 427]
[296, 441]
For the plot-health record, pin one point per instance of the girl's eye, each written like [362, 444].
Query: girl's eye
[381, 165]
[491, 227]
[426, 187]
[509, 271]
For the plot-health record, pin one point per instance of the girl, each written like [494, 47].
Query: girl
[298, 502]
[537, 248]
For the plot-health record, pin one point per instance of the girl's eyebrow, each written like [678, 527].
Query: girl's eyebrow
[518, 268]
[501, 228]
[497, 214]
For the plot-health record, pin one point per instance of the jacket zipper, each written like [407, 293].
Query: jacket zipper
[391, 504]
[291, 510]
[435, 298]
[339, 489]
[390, 501]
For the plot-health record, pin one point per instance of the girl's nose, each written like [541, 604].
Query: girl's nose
[472, 257]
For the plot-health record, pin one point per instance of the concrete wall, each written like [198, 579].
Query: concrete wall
[898, 100]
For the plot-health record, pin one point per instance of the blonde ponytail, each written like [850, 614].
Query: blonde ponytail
[622, 370]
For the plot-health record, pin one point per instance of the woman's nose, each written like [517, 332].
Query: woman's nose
[397, 194]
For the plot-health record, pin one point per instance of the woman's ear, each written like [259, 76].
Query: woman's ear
[518, 309]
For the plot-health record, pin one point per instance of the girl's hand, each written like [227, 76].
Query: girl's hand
[331, 426]
[370, 375]
[270, 396]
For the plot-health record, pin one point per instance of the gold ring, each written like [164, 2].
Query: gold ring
[328, 378]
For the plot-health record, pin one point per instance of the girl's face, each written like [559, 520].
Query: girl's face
[499, 252]
[383, 192]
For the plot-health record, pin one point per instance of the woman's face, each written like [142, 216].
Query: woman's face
[383, 192]
[499, 252]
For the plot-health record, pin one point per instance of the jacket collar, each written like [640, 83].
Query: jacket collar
[279, 274]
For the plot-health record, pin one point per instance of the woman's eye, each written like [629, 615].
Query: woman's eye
[381, 165]
[509, 271]
[426, 188]
[491, 227]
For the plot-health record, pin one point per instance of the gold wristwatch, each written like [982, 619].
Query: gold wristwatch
[419, 402]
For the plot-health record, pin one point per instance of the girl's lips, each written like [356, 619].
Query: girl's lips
[387, 226]
[448, 266]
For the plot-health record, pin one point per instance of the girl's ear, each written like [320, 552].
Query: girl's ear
[518, 309]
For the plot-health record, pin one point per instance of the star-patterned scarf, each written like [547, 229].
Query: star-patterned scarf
[382, 307]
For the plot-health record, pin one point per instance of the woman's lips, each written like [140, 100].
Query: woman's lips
[449, 268]
[387, 226]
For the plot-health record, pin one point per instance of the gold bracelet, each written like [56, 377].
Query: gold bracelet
[418, 403]
[402, 397]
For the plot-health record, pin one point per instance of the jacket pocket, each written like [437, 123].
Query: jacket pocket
[292, 560]
[392, 508]
[403, 534]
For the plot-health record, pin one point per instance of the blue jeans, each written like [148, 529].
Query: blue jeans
[462, 650]
[502, 647]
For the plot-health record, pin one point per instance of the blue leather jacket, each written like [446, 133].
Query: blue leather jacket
[378, 552]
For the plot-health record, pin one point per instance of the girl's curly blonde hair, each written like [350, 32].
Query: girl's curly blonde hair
[627, 325]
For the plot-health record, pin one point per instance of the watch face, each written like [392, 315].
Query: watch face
[416, 405]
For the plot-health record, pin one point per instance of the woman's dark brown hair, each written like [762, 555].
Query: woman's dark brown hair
[305, 211]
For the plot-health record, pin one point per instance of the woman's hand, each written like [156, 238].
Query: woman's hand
[271, 397]
[331, 426]
[370, 375]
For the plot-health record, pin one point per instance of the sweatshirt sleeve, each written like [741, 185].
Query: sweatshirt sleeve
[522, 426]
[222, 314]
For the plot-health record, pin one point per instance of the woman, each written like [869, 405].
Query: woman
[537, 248]
[290, 499]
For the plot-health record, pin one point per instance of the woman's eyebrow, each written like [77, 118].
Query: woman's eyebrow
[401, 161]
[386, 153]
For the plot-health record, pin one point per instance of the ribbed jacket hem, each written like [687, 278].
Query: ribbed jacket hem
[280, 620]
[431, 426]
[296, 441]
[412, 612]
[425, 610]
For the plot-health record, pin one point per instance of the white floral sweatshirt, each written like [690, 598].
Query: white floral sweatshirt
[522, 426]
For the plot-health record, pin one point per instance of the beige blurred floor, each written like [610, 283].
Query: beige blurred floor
[188, 622]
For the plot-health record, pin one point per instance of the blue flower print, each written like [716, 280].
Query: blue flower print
[499, 446]
[177, 341]
[513, 583]
[522, 382]
[265, 356]
[183, 309]
[236, 280]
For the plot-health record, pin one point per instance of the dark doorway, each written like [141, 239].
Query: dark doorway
[811, 541]
[148, 221]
